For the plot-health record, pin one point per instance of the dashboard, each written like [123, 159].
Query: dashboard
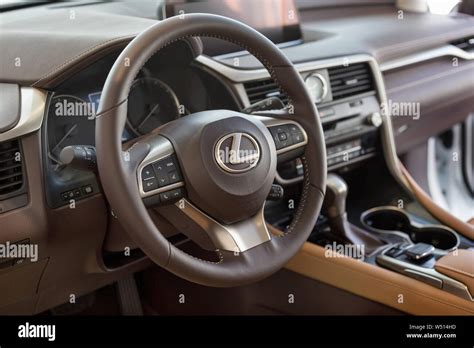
[67, 85]
[165, 89]
[151, 104]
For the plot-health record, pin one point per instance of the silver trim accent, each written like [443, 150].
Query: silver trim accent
[443, 51]
[324, 83]
[160, 148]
[237, 237]
[246, 75]
[235, 148]
[448, 284]
[33, 104]
[271, 122]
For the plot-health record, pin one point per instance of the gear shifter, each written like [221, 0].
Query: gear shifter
[336, 194]
[335, 205]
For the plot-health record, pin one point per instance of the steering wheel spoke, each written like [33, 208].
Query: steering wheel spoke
[229, 160]
[238, 237]
[159, 175]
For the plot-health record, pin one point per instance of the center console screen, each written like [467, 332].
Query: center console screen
[276, 19]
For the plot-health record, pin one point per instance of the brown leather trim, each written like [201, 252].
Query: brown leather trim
[471, 222]
[442, 215]
[458, 265]
[377, 284]
[75, 64]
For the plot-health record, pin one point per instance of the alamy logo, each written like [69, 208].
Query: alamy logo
[401, 109]
[19, 251]
[28, 330]
[76, 108]
[237, 152]
[335, 250]
[238, 156]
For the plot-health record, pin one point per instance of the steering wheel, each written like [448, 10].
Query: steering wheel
[220, 164]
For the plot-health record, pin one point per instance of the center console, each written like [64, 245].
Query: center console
[414, 247]
[405, 242]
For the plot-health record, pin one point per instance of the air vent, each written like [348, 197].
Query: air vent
[259, 90]
[466, 44]
[347, 81]
[11, 169]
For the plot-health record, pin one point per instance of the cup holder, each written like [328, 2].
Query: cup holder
[391, 220]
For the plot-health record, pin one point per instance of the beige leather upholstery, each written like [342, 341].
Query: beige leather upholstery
[376, 283]
[458, 265]
[442, 215]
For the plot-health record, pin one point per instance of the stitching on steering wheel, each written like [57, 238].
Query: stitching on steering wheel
[269, 67]
[265, 62]
[217, 251]
[304, 196]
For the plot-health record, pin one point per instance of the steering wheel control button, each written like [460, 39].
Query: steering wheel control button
[167, 171]
[158, 177]
[178, 193]
[147, 172]
[159, 167]
[282, 136]
[163, 179]
[165, 197]
[296, 133]
[170, 163]
[174, 177]
[150, 184]
[286, 135]
[277, 132]
[171, 196]
[276, 193]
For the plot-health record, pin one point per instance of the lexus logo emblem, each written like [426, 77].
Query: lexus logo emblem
[237, 152]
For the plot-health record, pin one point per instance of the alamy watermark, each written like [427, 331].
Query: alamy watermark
[75, 107]
[28, 330]
[401, 109]
[355, 251]
[19, 251]
[238, 156]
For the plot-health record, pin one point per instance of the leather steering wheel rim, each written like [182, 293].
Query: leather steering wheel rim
[118, 168]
